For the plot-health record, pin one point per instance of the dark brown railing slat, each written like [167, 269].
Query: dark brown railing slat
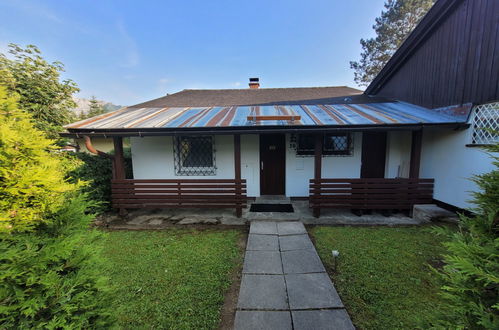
[370, 193]
[182, 193]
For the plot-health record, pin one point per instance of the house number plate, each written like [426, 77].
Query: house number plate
[272, 148]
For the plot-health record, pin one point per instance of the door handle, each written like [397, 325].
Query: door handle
[261, 165]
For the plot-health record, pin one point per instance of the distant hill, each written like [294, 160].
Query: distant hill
[83, 105]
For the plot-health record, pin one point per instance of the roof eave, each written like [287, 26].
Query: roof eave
[76, 133]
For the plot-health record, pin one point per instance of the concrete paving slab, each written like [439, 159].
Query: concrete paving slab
[262, 262]
[291, 228]
[336, 319]
[264, 320]
[309, 291]
[295, 242]
[266, 292]
[301, 261]
[263, 227]
[262, 243]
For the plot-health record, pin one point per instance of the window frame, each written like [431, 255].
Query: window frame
[180, 169]
[325, 152]
[476, 138]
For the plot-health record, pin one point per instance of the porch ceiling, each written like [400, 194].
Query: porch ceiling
[321, 116]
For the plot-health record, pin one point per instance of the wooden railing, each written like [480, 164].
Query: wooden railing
[398, 194]
[194, 193]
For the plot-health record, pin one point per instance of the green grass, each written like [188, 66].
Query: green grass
[383, 274]
[173, 279]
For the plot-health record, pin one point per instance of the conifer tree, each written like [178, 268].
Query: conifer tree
[398, 19]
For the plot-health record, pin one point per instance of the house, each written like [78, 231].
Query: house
[407, 139]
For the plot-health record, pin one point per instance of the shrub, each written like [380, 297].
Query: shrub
[96, 171]
[49, 259]
[50, 279]
[32, 185]
[471, 273]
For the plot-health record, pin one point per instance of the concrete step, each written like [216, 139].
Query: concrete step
[425, 213]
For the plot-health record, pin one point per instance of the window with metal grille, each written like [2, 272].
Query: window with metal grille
[485, 124]
[194, 155]
[333, 145]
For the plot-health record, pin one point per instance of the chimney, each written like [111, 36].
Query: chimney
[254, 82]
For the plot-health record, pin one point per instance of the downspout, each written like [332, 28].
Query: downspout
[90, 147]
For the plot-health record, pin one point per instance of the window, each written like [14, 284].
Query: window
[485, 121]
[333, 145]
[194, 155]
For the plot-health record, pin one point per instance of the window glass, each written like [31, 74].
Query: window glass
[194, 155]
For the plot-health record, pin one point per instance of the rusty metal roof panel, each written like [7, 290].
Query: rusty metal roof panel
[377, 113]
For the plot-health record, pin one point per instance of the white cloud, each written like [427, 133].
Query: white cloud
[35, 9]
[236, 84]
[129, 47]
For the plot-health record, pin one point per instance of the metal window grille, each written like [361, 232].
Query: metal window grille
[485, 124]
[333, 145]
[194, 155]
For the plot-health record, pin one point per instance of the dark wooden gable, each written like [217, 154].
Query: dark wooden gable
[452, 57]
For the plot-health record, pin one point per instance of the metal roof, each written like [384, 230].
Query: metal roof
[385, 113]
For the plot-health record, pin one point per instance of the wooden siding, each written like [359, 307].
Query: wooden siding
[457, 61]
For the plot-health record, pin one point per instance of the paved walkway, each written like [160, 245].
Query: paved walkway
[284, 283]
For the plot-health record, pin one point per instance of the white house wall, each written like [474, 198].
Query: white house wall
[398, 154]
[299, 169]
[152, 158]
[446, 158]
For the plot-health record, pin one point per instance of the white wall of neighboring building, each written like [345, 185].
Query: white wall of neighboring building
[299, 169]
[446, 158]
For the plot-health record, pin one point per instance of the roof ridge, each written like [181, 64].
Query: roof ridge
[263, 88]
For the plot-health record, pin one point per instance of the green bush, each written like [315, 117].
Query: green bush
[471, 273]
[49, 257]
[96, 171]
[50, 279]
[32, 185]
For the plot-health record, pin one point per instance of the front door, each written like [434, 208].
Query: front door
[272, 164]
[373, 155]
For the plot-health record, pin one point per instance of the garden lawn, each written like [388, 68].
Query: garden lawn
[173, 279]
[383, 274]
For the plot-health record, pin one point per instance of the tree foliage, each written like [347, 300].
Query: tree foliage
[39, 86]
[52, 278]
[398, 19]
[32, 185]
[96, 109]
[50, 273]
[471, 273]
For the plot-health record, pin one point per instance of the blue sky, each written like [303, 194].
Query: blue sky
[126, 52]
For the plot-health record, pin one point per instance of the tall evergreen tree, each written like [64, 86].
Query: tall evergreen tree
[398, 19]
[96, 108]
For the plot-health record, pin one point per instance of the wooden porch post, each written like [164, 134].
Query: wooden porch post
[318, 166]
[119, 160]
[119, 164]
[416, 143]
[237, 172]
